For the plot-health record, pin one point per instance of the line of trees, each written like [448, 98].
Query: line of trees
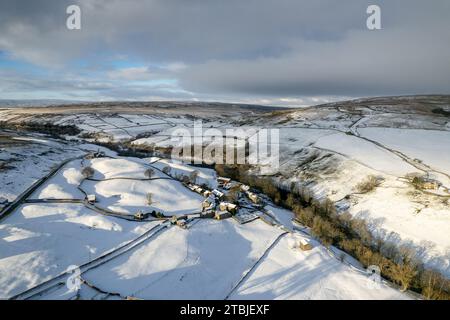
[48, 128]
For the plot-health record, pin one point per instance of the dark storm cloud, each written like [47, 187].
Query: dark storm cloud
[240, 48]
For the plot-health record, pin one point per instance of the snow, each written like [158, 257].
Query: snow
[177, 168]
[157, 140]
[202, 262]
[130, 196]
[116, 168]
[282, 216]
[29, 162]
[40, 241]
[413, 224]
[289, 273]
[417, 144]
[142, 119]
[207, 260]
[296, 138]
[63, 185]
[365, 153]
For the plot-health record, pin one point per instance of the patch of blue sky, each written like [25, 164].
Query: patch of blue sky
[9, 63]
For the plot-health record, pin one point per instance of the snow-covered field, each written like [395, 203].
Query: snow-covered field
[63, 185]
[28, 160]
[39, 241]
[203, 262]
[130, 196]
[366, 153]
[205, 176]
[429, 146]
[222, 259]
[288, 273]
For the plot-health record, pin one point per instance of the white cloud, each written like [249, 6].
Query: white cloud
[176, 66]
[132, 73]
[289, 52]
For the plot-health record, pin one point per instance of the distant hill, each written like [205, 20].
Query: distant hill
[133, 104]
[5, 103]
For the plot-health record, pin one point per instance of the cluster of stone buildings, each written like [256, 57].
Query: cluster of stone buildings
[214, 206]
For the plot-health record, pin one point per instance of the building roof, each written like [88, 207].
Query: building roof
[222, 212]
[304, 242]
[217, 193]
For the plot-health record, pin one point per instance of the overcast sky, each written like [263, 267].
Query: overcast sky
[278, 52]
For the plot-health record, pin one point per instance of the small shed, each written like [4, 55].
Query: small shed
[206, 193]
[140, 215]
[182, 223]
[223, 206]
[226, 206]
[245, 188]
[221, 215]
[91, 198]
[232, 208]
[305, 245]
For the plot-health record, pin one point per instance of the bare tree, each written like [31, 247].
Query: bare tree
[149, 173]
[193, 176]
[166, 170]
[149, 198]
[87, 172]
[434, 285]
[405, 271]
[185, 179]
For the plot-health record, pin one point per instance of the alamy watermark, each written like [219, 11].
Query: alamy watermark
[373, 21]
[251, 145]
[73, 21]
[73, 282]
